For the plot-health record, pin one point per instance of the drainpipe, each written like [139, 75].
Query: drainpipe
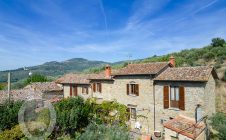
[154, 102]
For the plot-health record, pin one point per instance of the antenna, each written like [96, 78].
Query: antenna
[129, 57]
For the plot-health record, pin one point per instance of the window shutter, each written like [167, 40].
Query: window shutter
[182, 98]
[127, 89]
[100, 87]
[87, 90]
[137, 89]
[70, 90]
[166, 97]
[75, 90]
[94, 87]
[128, 112]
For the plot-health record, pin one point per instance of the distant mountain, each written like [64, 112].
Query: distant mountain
[53, 68]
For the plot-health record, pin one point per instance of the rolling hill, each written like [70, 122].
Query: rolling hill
[52, 69]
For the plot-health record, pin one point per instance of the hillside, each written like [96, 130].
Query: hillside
[53, 68]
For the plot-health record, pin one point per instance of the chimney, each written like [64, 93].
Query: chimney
[172, 61]
[108, 71]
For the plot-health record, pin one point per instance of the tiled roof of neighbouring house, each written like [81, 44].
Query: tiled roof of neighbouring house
[200, 74]
[45, 86]
[21, 94]
[79, 78]
[144, 68]
[185, 126]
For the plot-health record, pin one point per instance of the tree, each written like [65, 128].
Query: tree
[218, 122]
[218, 42]
[36, 78]
[9, 114]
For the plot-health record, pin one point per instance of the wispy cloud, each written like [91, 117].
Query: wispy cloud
[63, 30]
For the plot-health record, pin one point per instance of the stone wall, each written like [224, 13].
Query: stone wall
[117, 90]
[195, 93]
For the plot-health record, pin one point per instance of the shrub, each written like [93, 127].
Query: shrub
[218, 122]
[111, 113]
[73, 114]
[13, 134]
[218, 42]
[9, 114]
[103, 132]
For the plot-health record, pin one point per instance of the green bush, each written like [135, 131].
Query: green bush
[103, 132]
[218, 122]
[73, 114]
[111, 113]
[13, 134]
[44, 116]
[9, 114]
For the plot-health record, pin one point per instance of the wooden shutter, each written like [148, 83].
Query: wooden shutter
[70, 90]
[94, 87]
[127, 89]
[137, 89]
[181, 98]
[128, 112]
[75, 90]
[87, 90]
[166, 97]
[100, 87]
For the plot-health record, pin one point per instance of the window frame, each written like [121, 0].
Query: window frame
[131, 90]
[85, 90]
[174, 103]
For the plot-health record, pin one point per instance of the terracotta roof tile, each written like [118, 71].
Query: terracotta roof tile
[185, 126]
[144, 68]
[79, 78]
[201, 74]
[21, 94]
[45, 86]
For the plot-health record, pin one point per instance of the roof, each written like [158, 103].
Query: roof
[45, 86]
[142, 69]
[185, 126]
[199, 74]
[73, 78]
[21, 94]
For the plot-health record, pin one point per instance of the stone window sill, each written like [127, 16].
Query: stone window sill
[132, 95]
[175, 109]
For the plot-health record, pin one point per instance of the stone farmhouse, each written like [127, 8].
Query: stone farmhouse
[154, 93]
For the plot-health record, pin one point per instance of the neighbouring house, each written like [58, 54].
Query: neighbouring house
[20, 95]
[153, 92]
[50, 90]
[45, 91]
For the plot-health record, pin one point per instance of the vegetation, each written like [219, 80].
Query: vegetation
[36, 78]
[9, 114]
[215, 51]
[52, 69]
[218, 122]
[12, 134]
[75, 114]
[103, 132]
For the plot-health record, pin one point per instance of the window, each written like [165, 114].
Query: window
[97, 87]
[73, 90]
[85, 90]
[133, 89]
[132, 112]
[174, 97]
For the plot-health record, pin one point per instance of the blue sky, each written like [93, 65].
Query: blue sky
[36, 31]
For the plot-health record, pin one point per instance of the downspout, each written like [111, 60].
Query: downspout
[154, 102]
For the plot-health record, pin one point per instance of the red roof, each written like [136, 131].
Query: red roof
[185, 126]
[144, 68]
